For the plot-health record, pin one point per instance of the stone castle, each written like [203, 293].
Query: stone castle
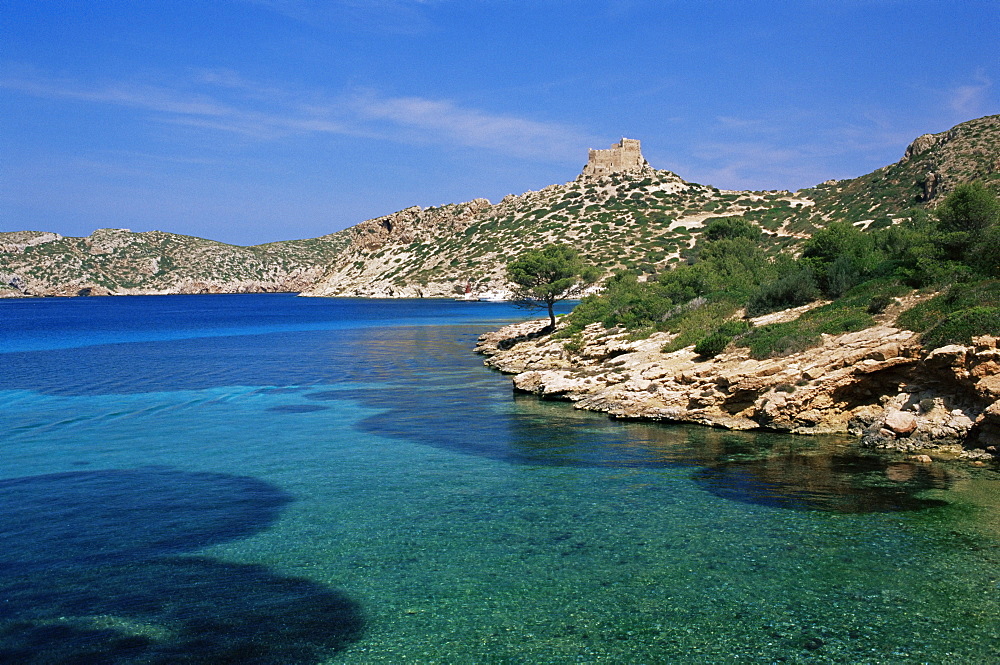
[625, 155]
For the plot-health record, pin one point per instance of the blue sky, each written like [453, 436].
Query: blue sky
[250, 121]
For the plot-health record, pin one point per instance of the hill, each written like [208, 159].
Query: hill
[121, 262]
[885, 325]
[642, 219]
[931, 167]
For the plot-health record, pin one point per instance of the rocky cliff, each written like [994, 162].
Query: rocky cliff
[876, 384]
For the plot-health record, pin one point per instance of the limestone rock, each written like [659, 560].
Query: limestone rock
[989, 387]
[987, 427]
[952, 355]
[873, 384]
[921, 144]
[900, 423]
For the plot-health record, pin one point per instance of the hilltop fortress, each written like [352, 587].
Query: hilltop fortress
[625, 155]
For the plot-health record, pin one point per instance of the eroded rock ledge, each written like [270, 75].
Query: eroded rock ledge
[877, 384]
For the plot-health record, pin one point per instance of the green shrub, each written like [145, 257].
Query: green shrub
[984, 255]
[780, 339]
[794, 289]
[958, 297]
[731, 227]
[574, 344]
[960, 327]
[879, 304]
[713, 345]
[863, 294]
[735, 327]
[971, 208]
[733, 267]
[716, 342]
[839, 321]
[920, 317]
[695, 321]
[625, 303]
[841, 256]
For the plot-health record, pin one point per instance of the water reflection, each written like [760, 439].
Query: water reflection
[844, 483]
[801, 473]
[805, 473]
[445, 400]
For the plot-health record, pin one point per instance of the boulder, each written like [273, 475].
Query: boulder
[984, 342]
[988, 387]
[952, 355]
[900, 423]
[987, 428]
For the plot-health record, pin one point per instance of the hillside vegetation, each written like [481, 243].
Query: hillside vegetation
[955, 250]
[121, 262]
[646, 221]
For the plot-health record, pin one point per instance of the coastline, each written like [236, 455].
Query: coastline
[877, 385]
[89, 292]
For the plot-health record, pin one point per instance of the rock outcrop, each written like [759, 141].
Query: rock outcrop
[876, 384]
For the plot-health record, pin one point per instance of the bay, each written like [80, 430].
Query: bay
[272, 479]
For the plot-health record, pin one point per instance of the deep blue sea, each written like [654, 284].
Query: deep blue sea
[282, 480]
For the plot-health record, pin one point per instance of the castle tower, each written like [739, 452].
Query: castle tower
[626, 155]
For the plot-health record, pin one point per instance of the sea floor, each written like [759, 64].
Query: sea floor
[324, 492]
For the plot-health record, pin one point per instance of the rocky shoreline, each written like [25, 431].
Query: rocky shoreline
[878, 385]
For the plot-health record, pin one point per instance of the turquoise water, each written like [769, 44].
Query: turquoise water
[270, 479]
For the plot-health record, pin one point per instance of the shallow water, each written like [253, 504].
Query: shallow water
[270, 479]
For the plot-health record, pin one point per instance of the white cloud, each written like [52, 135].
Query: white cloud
[788, 149]
[445, 121]
[221, 100]
[123, 94]
[733, 122]
[969, 100]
